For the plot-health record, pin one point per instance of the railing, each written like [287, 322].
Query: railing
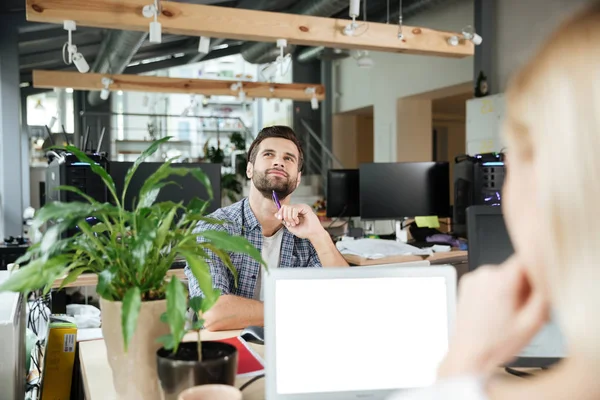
[318, 159]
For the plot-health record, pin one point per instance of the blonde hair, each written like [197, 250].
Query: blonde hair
[553, 120]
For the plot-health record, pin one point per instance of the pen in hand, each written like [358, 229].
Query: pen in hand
[276, 201]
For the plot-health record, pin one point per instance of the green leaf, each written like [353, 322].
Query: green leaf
[202, 178]
[168, 341]
[145, 154]
[226, 260]
[77, 191]
[72, 276]
[100, 228]
[36, 275]
[105, 285]
[196, 304]
[97, 169]
[132, 303]
[163, 318]
[201, 272]
[235, 244]
[176, 309]
[165, 227]
[142, 245]
[198, 325]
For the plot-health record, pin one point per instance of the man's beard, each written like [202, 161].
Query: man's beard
[267, 184]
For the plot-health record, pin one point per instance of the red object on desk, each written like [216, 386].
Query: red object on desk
[249, 363]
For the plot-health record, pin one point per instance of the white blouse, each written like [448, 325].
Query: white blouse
[460, 388]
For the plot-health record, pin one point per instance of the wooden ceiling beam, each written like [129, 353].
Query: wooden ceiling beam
[232, 23]
[208, 87]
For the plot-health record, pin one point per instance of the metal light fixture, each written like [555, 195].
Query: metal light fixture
[151, 11]
[70, 53]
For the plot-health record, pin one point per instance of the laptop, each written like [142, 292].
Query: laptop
[356, 333]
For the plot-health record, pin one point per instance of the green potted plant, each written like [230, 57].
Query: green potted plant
[182, 365]
[131, 253]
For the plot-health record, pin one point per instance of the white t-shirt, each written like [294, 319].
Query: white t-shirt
[270, 252]
[459, 388]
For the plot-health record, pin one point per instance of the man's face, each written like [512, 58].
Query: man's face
[275, 168]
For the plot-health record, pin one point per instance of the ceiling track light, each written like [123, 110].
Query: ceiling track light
[468, 33]
[70, 53]
[204, 45]
[152, 11]
[239, 87]
[314, 102]
[106, 82]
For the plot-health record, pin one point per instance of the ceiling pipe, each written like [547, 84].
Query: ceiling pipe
[116, 52]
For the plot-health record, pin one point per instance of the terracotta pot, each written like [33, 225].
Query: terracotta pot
[134, 372]
[211, 392]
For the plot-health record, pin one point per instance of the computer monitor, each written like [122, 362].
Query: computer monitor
[13, 373]
[489, 243]
[358, 332]
[343, 197]
[400, 190]
[189, 187]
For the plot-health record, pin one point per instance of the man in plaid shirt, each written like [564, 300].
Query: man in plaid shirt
[292, 237]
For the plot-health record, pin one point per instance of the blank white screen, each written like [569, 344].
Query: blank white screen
[336, 335]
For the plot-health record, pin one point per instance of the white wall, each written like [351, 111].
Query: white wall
[396, 75]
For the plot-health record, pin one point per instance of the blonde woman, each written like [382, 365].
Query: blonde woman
[552, 209]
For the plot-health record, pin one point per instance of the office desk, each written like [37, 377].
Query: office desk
[451, 257]
[97, 376]
[92, 279]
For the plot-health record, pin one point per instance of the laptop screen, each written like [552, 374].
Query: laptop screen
[359, 334]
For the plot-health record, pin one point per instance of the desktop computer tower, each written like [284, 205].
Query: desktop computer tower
[477, 180]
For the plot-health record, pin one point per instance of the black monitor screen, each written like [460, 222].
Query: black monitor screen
[398, 190]
[489, 243]
[189, 187]
[343, 198]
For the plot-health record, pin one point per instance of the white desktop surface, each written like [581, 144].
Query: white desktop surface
[97, 376]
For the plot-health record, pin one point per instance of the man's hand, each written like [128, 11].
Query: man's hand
[300, 220]
[498, 314]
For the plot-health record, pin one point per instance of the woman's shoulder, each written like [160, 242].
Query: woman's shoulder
[459, 388]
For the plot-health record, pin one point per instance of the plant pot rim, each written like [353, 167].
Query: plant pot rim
[204, 361]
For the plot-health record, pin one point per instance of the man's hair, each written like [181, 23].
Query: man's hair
[277, 131]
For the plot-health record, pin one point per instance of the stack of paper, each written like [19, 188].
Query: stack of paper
[379, 248]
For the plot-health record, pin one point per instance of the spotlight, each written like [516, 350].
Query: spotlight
[470, 34]
[151, 11]
[453, 40]
[314, 102]
[363, 60]
[204, 45]
[72, 56]
[105, 92]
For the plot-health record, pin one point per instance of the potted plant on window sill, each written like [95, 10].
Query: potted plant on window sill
[131, 253]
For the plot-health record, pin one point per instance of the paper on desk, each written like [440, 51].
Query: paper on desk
[373, 249]
[431, 221]
[89, 334]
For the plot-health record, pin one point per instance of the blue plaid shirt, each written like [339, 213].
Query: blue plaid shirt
[295, 252]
